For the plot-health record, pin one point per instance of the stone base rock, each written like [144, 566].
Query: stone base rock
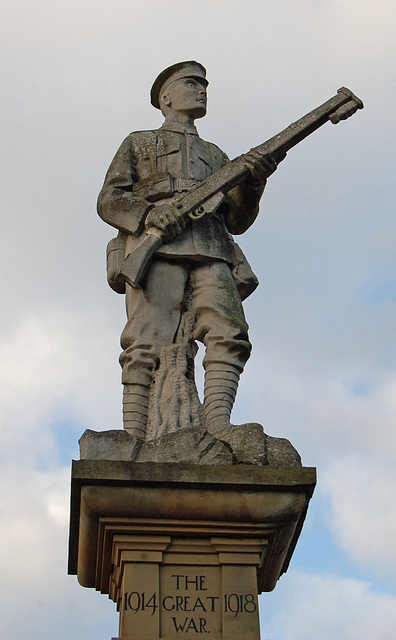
[191, 446]
[115, 444]
[240, 444]
[247, 442]
[281, 453]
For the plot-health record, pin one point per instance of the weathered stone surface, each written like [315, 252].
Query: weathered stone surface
[193, 446]
[251, 445]
[115, 444]
[241, 444]
[174, 403]
[281, 453]
[247, 443]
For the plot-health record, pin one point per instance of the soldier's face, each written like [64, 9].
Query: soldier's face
[187, 95]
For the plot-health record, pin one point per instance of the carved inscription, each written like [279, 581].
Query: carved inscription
[238, 603]
[194, 604]
[191, 603]
[135, 601]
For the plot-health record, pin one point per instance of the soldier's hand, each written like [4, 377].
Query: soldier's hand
[167, 219]
[261, 166]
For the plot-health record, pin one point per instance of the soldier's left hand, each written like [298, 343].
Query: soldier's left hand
[261, 166]
[167, 219]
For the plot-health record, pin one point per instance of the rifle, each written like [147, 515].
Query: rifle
[205, 198]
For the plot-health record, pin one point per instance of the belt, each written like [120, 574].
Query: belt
[182, 184]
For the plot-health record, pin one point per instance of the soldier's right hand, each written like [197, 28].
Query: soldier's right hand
[167, 219]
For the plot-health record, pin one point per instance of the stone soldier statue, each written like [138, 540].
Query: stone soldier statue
[150, 169]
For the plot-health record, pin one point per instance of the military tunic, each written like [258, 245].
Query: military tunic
[154, 167]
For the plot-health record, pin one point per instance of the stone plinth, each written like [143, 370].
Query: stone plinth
[184, 550]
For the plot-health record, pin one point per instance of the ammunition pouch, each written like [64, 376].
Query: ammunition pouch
[114, 258]
[245, 280]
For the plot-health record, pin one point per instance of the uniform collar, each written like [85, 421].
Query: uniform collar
[175, 127]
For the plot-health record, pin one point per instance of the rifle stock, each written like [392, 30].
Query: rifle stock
[339, 107]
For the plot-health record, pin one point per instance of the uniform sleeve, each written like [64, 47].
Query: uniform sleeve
[243, 206]
[242, 203]
[117, 205]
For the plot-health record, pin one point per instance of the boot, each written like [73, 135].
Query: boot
[221, 383]
[135, 409]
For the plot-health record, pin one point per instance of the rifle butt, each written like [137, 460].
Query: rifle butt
[135, 264]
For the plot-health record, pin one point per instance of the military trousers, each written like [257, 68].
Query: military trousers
[154, 315]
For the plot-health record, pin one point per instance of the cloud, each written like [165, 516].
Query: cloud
[326, 607]
[324, 391]
[363, 509]
[37, 596]
[55, 368]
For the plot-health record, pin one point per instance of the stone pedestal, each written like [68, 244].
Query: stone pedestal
[184, 550]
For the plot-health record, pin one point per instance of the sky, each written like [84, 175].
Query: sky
[75, 78]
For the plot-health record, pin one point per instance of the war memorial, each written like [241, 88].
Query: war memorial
[181, 517]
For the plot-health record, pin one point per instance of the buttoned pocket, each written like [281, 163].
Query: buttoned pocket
[208, 167]
[168, 145]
